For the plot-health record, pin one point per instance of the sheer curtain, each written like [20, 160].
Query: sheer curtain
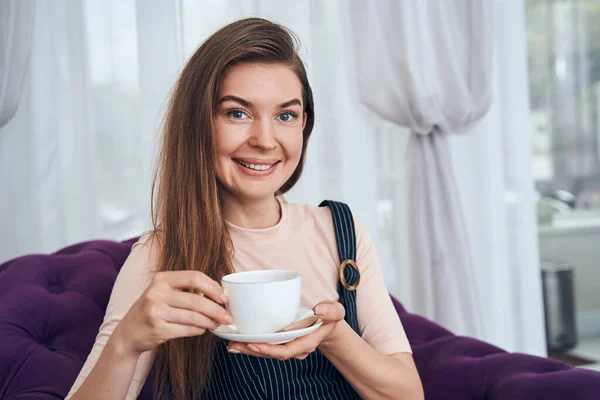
[493, 169]
[16, 22]
[491, 163]
[429, 69]
[506, 239]
[70, 158]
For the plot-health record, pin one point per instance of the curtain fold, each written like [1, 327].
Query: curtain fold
[426, 66]
[441, 261]
[430, 69]
[16, 24]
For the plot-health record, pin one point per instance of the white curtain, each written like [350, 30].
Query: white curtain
[71, 165]
[493, 269]
[429, 69]
[493, 166]
[16, 22]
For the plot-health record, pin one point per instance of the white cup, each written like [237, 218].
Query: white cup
[263, 301]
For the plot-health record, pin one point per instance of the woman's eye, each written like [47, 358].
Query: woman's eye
[286, 117]
[237, 114]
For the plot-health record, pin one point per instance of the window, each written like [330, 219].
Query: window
[564, 79]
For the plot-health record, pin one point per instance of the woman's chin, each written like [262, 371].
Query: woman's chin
[257, 193]
[252, 190]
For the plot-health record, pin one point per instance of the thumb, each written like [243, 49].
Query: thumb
[330, 311]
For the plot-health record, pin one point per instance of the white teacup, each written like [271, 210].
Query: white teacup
[263, 301]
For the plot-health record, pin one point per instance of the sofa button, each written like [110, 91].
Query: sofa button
[55, 288]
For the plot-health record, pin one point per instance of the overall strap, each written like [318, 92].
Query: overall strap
[349, 273]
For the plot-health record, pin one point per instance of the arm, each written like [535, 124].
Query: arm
[109, 371]
[380, 364]
[161, 313]
[372, 374]
[112, 375]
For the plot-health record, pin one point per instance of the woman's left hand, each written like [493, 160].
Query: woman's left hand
[330, 312]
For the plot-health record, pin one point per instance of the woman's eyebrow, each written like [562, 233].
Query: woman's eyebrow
[249, 104]
[243, 102]
[290, 103]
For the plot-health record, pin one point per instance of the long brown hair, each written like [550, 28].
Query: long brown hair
[186, 207]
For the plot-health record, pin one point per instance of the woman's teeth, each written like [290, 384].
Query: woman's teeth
[256, 167]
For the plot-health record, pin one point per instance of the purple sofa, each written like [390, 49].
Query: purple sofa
[52, 305]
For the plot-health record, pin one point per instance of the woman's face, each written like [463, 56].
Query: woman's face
[258, 126]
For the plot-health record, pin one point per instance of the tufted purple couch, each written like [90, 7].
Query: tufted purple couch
[52, 305]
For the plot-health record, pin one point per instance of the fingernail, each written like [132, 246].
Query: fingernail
[321, 310]
[234, 351]
[228, 319]
[224, 298]
[254, 348]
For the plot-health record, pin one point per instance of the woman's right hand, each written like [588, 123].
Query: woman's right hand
[164, 312]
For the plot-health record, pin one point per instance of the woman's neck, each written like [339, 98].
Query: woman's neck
[253, 214]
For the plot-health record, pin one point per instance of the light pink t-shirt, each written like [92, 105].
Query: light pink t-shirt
[304, 241]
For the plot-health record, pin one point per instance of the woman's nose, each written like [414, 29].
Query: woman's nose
[263, 135]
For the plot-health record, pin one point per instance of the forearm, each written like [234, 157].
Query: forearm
[112, 375]
[372, 374]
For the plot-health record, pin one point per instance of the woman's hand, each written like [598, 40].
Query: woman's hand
[330, 312]
[164, 312]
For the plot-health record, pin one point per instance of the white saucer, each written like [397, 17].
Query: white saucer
[229, 332]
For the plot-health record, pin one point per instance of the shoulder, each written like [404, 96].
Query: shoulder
[146, 238]
[135, 275]
[321, 218]
[316, 224]
[146, 251]
[307, 212]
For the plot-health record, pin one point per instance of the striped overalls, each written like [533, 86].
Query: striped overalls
[238, 376]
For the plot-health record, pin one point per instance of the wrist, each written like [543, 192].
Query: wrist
[334, 337]
[119, 345]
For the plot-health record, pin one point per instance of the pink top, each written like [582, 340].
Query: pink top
[304, 241]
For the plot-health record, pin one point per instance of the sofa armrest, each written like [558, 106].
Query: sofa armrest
[457, 367]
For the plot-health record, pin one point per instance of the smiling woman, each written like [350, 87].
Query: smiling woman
[258, 125]
[234, 141]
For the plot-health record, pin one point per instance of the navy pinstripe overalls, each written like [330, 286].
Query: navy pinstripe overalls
[237, 376]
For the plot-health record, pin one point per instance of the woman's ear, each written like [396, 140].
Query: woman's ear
[304, 117]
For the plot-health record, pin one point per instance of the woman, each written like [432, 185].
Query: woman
[234, 141]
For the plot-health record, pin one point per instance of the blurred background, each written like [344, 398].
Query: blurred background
[511, 192]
